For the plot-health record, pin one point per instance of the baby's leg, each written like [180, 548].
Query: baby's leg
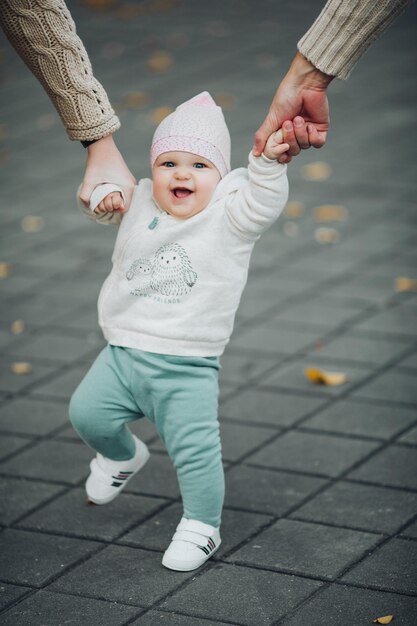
[102, 405]
[186, 419]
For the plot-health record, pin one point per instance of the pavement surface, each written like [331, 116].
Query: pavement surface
[320, 519]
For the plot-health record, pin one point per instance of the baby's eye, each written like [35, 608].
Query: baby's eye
[168, 164]
[199, 166]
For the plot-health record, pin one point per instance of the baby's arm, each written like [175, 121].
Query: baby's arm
[256, 204]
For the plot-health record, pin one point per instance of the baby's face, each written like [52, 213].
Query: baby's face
[183, 183]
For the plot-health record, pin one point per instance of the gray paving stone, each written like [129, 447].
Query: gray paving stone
[410, 362]
[242, 369]
[52, 461]
[395, 466]
[63, 386]
[339, 604]
[267, 491]
[268, 407]
[55, 609]
[359, 506]
[71, 514]
[155, 533]
[273, 339]
[158, 478]
[239, 439]
[40, 309]
[9, 594]
[323, 313]
[156, 618]
[392, 567]
[33, 417]
[393, 386]
[349, 347]
[11, 382]
[267, 595]
[10, 444]
[363, 419]
[411, 531]
[305, 548]
[19, 496]
[34, 558]
[53, 344]
[395, 321]
[409, 437]
[309, 452]
[293, 377]
[122, 574]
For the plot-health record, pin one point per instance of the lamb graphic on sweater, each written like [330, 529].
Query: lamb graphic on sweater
[170, 272]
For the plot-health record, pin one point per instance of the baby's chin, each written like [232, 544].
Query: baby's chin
[184, 212]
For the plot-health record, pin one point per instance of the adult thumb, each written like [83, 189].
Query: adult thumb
[261, 136]
[84, 193]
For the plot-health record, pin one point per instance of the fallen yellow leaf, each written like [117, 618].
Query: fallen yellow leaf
[17, 327]
[294, 209]
[316, 171]
[21, 367]
[402, 283]
[387, 619]
[326, 235]
[159, 61]
[330, 213]
[32, 224]
[159, 114]
[5, 270]
[321, 377]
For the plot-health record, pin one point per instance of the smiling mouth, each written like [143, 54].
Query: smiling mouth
[181, 192]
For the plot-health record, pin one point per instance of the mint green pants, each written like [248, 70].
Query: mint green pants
[179, 395]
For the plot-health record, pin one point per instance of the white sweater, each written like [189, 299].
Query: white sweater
[176, 284]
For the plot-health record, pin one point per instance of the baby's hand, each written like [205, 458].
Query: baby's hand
[275, 147]
[113, 202]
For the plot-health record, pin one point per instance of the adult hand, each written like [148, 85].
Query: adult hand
[300, 107]
[105, 164]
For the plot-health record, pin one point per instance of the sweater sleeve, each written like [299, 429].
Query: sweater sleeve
[344, 30]
[43, 34]
[258, 203]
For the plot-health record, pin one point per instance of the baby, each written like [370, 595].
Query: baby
[167, 309]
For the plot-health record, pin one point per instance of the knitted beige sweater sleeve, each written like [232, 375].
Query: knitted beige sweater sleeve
[43, 34]
[344, 30]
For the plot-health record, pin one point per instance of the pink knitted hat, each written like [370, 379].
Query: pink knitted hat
[196, 126]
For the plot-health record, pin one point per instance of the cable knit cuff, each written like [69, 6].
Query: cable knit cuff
[344, 30]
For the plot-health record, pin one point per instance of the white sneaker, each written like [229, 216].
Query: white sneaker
[108, 478]
[192, 544]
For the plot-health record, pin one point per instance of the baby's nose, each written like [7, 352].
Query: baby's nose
[182, 174]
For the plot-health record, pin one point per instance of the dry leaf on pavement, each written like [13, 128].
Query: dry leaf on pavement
[316, 171]
[318, 376]
[21, 367]
[402, 283]
[17, 327]
[387, 619]
[5, 269]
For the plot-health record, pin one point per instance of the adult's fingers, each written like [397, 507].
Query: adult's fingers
[301, 132]
[290, 138]
[316, 138]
